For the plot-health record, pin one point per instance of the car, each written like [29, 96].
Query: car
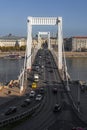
[26, 102]
[37, 68]
[32, 94]
[55, 90]
[36, 77]
[11, 110]
[38, 97]
[41, 90]
[57, 108]
[42, 66]
[82, 87]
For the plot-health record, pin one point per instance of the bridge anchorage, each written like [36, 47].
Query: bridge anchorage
[28, 54]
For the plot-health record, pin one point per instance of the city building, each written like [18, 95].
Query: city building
[12, 41]
[77, 43]
[53, 41]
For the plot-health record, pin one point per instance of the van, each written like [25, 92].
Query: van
[36, 77]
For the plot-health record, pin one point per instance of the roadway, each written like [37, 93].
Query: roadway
[17, 102]
[44, 118]
[45, 111]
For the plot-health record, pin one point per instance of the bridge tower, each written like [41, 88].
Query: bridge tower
[44, 21]
[43, 33]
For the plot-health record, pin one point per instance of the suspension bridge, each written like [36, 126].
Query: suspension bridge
[30, 55]
[51, 68]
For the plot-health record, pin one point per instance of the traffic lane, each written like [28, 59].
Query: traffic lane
[13, 102]
[65, 115]
[19, 109]
[51, 116]
[66, 120]
[55, 79]
[45, 116]
[41, 118]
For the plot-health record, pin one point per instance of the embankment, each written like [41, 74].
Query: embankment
[67, 54]
[3, 54]
[76, 54]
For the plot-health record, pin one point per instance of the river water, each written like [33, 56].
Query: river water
[77, 68]
[10, 69]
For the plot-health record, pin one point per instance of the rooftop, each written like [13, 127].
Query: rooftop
[79, 37]
[11, 37]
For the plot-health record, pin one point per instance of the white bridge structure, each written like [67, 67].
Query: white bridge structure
[44, 21]
[43, 33]
[31, 21]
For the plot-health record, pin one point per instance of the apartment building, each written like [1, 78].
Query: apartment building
[11, 40]
[77, 43]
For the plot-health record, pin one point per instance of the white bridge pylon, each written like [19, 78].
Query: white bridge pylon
[44, 21]
[43, 33]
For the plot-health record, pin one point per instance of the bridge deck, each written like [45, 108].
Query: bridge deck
[44, 118]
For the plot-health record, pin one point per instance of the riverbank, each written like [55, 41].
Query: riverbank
[67, 54]
[3, 54]
[76, 54]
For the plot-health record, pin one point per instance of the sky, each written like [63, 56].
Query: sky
[14, 13]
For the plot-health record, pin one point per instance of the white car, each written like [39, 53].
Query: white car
[32, 93]
[38, 97]
[42, 66]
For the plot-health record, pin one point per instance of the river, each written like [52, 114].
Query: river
[77, 68]
[10, 69]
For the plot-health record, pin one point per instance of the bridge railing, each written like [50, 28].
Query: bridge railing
[64, 72]
[23, 75]
[19, 116]
[34, 52]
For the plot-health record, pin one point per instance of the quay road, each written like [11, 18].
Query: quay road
[44, 118]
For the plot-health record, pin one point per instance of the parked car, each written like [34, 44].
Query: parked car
[26, 102]
[57, 108]
[11, 110]
[32, 94]
[38, 97]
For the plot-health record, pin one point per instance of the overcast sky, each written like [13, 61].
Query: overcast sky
[14, 13]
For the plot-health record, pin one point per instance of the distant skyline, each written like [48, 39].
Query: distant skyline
[14, 13]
